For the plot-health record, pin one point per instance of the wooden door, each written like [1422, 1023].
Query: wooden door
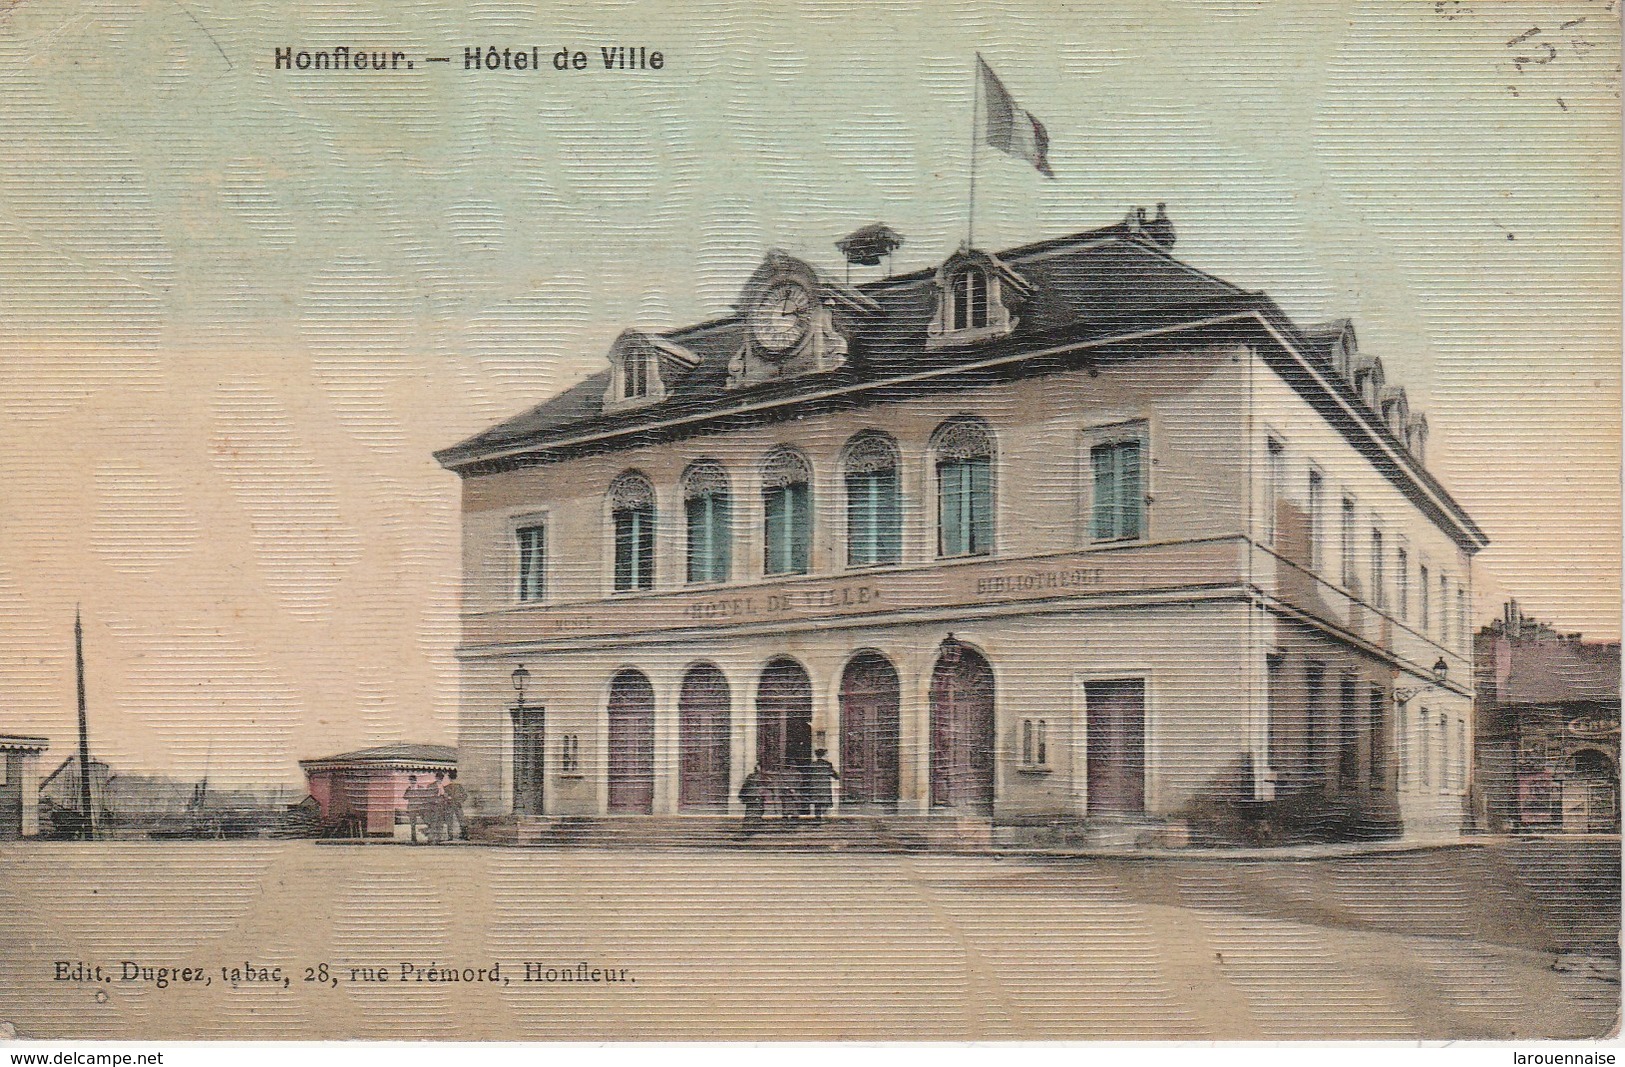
[783, 725]
[529, 761]
[869, 729]
[1116, 746]
[631, 744]
[962, 733]
[703, 725]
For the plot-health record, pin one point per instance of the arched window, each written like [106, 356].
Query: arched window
[968, 292]
[964, 451]
[632, 507]
[873, 515]
[708, 507]
[786, 512]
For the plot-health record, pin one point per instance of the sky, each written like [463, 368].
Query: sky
[240, 307]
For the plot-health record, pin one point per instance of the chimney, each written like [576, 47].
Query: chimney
[865, 247]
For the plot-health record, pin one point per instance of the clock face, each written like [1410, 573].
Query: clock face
[781, 318]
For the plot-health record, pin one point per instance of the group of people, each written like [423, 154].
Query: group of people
[437, 806]
[795, 791]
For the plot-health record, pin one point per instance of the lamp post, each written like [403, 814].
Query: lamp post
[1441, 671]
[950, 651]
[521, 678]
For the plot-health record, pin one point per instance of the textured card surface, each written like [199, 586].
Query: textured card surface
[735, 520]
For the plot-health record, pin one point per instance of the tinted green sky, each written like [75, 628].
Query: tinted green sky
[240, 307]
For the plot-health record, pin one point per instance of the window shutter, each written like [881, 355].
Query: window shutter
[859, 518]
[950, 496]
[800, 524]
[889, 537]
[1130, 497]
[623, 550]
[720, 523]
[980, 501]
[694, 512]
[643, 549]
[773, 531]
[1105, 493]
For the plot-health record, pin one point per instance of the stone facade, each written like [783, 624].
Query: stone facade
[1153, 616]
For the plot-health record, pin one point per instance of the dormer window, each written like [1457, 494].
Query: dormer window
[968, 295]
[977, 298]
[642, 368]
[635, 377]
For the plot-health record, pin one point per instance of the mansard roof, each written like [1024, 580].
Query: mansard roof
[1086, 285]
[1109, 286]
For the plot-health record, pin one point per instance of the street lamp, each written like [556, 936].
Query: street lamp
[1441, 671]
[951, 651]
[521, 678]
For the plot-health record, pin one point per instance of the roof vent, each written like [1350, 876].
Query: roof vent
[866, 246]
[1160, 229]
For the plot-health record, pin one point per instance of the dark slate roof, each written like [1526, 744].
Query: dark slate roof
[1101, 285]
[394, 754]
[1088, 284]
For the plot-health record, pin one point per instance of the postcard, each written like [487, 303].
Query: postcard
[1004, 520]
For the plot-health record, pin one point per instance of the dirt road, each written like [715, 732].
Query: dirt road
[293, 939]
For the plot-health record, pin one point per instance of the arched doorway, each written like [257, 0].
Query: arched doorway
[783, 724]
[631, 744]
[962, 731]
[869, 703]
[703, 732]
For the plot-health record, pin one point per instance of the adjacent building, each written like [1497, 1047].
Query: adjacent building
[19, 785]
[1548, 735]
[363, 793]
[1070, 534]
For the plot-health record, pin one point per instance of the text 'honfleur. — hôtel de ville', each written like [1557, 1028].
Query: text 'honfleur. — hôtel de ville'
[1068, 540]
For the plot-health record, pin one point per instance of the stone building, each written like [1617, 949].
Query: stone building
[1548, 734]
[1072, 534]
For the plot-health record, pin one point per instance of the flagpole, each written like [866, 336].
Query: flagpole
[87, 796]
[975, 116]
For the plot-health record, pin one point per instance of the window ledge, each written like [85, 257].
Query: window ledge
[970, 335]
[1035, 769]
[572, 776]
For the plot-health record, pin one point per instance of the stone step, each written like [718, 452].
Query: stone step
[898, 833]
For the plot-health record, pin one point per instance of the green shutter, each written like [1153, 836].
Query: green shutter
[1130, 497]
[800, 527]
[888, 519]
[647, 574]
[858, 519]
[774, 534]
[1118, 509]
[979, 505]
[950, 507]
[721, 527]
[623, 550]
[1105, 493]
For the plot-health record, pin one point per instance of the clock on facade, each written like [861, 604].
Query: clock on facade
[781, 318]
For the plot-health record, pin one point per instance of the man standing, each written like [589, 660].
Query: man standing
[753, 794]
[416, 809]
[816, 776]
[439, 810]
[456, 796]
